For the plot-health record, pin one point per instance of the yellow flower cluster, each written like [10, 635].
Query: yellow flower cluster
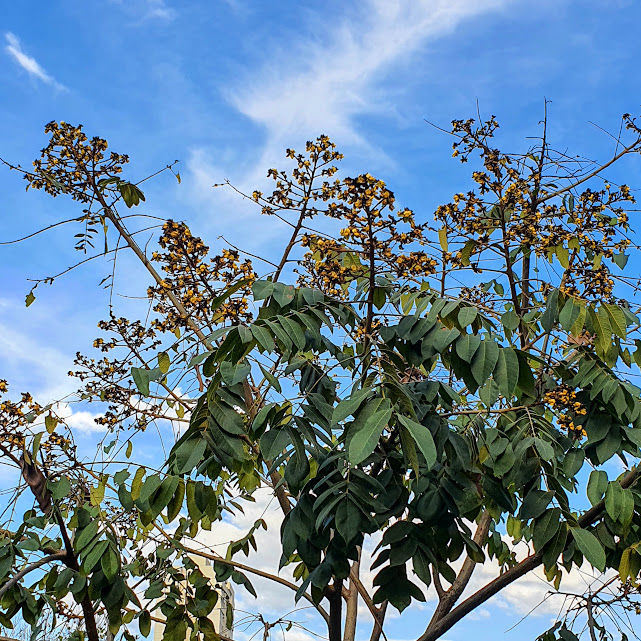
[562, 399]
[196, 281]
[73, 164]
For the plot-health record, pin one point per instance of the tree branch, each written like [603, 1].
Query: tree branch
[434, 631]
[57, 556]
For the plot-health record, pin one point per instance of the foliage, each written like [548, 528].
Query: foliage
[455, 388]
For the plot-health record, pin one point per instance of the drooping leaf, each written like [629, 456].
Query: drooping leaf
[423, 438]
[590, 547]
[365, 439]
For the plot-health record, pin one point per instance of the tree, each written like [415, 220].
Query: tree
[445, 386]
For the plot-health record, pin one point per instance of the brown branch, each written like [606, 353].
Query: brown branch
[248, 568]
[448, 598]
[57, 556]
[534, 203]
[433, 632]
[334, 596]
[596, 172]
[377, 630]
[351, 606]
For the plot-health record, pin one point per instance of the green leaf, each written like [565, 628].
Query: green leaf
[546, 527]
[175, 504]
[423, 438]
[506, 372]
[617, 319]
[545, 450]
[627, 508]
[549, 316]
[570, 313]
[136, 484]
[234, 373]
[614, 500]
[273, 381]
[144, 623]
[283, 294]
[348, 406]
[466, 346]
[597, 485]
[87, 535]
[534, 504]
[188, 455]
[60, 488]
[312, 296]
[590, 547]
[379, 297]
[442, 238]
[467, 315]
[263, 337]
[50, 423]
[484, 360]
[110, 562]
[620, 260]
[467, 251]
[163, 362]
[262, 289]
[364, 441]
[141, 379]
[94, 555]
[510, 320]
[30, 298]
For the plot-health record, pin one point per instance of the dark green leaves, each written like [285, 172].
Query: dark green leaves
[423, 438]
[130, 193]
[484, 360]
[366, 431]
[234, 373]
[348, 406]
[506, 371]
[534, 504]
[590, 547]
[597, 485]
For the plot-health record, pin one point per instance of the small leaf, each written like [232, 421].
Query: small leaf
[30, 298]
[467, 315]
[348, 406]
[144, 623]
[262, 289]
[50, 423]
[136, 484]
[614, 500]
[597, 485]
[163, 362]
[442, 238]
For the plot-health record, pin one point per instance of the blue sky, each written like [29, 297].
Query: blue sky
[226, 85]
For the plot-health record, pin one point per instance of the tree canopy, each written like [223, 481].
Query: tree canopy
[451, 385]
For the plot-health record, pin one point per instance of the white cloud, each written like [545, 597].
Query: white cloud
[147, 9]
[159, 9]
[319, 85]
[81, 421]
[337, 69]
[28, 63]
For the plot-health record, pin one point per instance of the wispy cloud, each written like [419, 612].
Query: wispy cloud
[326, 78]
[144, 10]
[322, 84]
[159, 9]
[27, 62]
